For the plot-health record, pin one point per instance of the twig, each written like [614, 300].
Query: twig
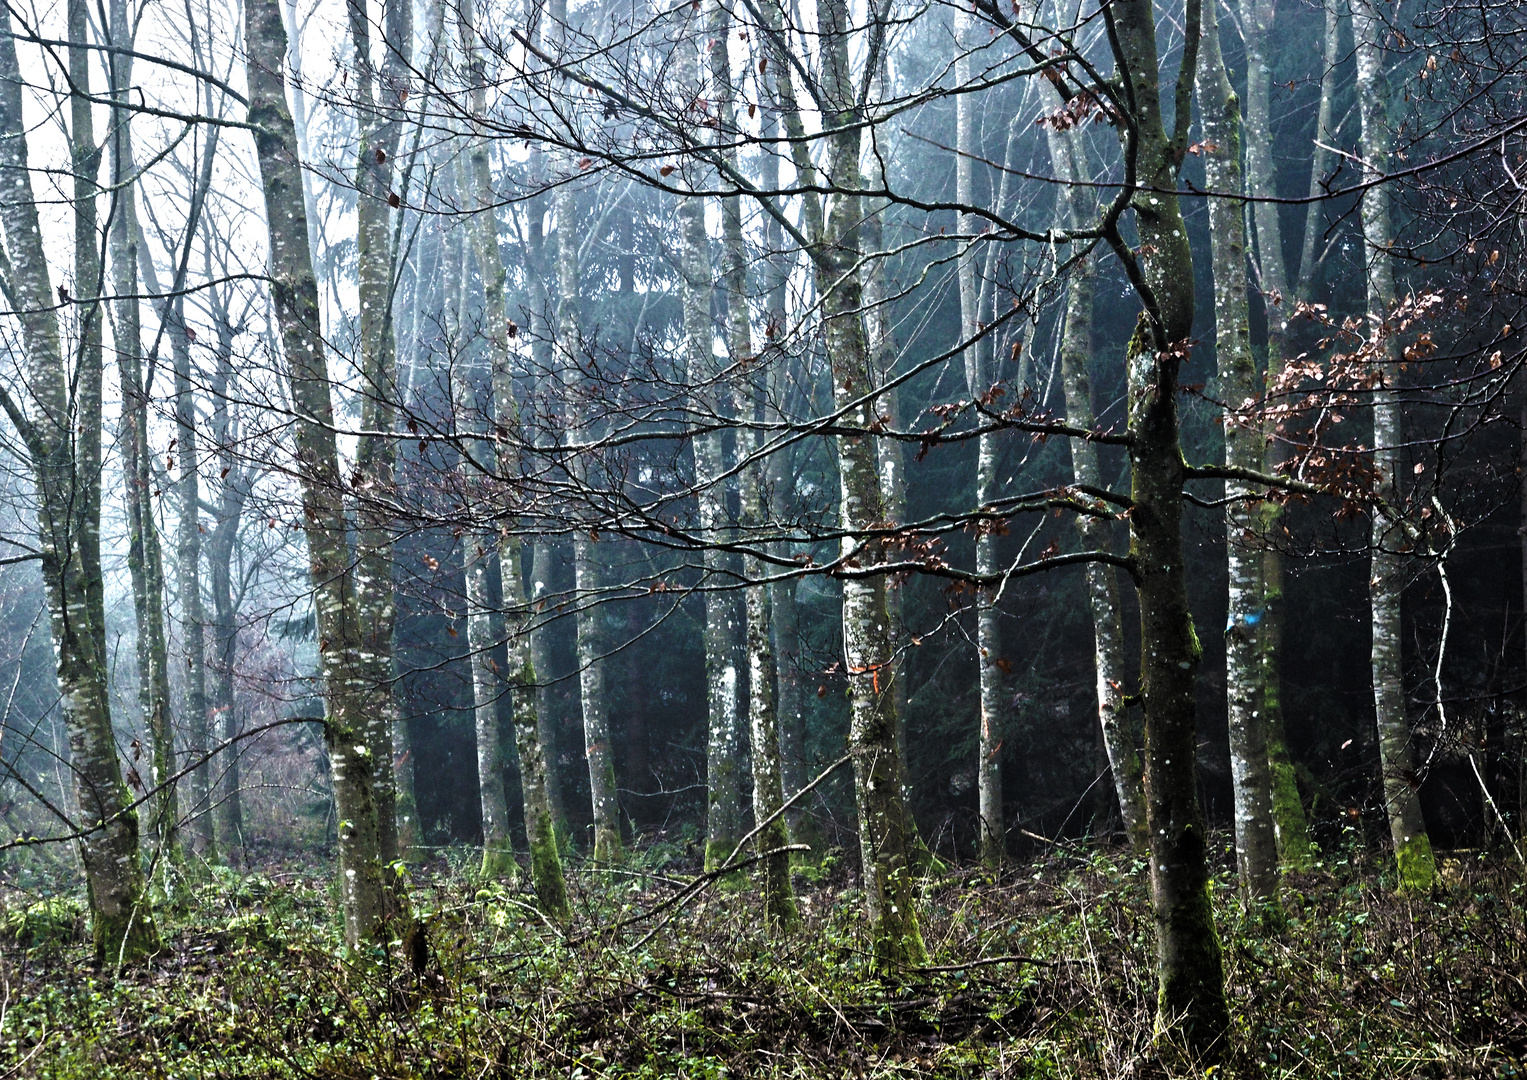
[997, 960]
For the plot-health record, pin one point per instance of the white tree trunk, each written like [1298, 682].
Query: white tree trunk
[1412, 846]
[1220, 115]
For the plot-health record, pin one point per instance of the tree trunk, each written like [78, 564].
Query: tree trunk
[478, 550]
[378, 102]
[366, 902]
[608, 847]
[1414, 860]
[550, 716]
[68, 512]
[1191, 989]
[188, 575]
[784, 622]
[540, 826]
[233, 492]
[780, 910]
[978, 379]
[545, 860]
[1120, 737]
[1220, 114]
[722, 684]
[144, 557]
[893, 475]
[1290, 826]
[885, 840]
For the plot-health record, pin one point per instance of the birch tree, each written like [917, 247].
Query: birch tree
[884, 836]
[979, 378]
[1220, 113]
[1257, 20]
[722, 682]
[1414, 860]
[1068, 159]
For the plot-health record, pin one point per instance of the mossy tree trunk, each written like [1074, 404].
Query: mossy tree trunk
[1290, 825]
[503, 458]
[60, 427]
[193, 617]
[379, 95]
[367, 904]
[233, 487]
[1190, 974]
[709, 406]
[780, 909]
[884, 836]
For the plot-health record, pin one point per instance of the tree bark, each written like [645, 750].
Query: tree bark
[978, 379]
[188, 575]
[545, 860]
[233, 492]
[892, 457]
[1120, 737]
[1290, 826]
[144, 557]
[784, 621]
[379, 99]
[1220, 114]
[1414, 860]
[67, 474]
[780, 911]
[722, 682]
[1190, 975]
[884, 837]
[366, 902]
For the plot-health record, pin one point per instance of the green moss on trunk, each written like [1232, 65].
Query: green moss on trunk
[1416, 864]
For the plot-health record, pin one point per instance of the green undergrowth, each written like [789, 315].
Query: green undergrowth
[1043, 971]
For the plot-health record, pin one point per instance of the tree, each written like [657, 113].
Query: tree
[348, 676]
[1220, 112]
[1412, 846]
[60, 428]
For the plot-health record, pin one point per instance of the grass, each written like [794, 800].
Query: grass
[1043, 971]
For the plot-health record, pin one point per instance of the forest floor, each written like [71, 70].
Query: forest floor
[1044, 970]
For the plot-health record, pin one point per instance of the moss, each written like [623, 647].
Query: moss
[898, 937]
[546, 874]
[1289, 821]
[925, 862]
[607, 847]
[1417, 865]
[717, 852]
[498, 861]
[126, 938]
